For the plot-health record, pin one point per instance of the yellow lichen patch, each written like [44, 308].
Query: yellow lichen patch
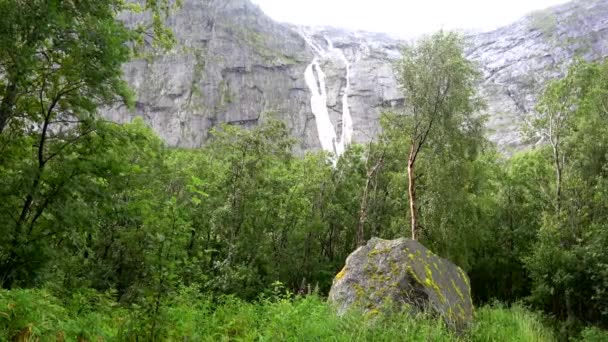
[461, 312]
[395, 269]
[429, 273]
[381, 278]
[430, 282]
[359, 292]
[457, 290]
[379, 251]
[412, 274]
[374, 252]
[372, 313]
[341, 274]
[463, 276]
[451, 314]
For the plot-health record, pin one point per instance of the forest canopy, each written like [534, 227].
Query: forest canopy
[106, 218]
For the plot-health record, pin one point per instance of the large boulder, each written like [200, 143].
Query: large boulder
[389, 274]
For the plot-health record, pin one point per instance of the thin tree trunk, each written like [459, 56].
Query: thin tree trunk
[27, 205]
[6, 107]
[360, 239]
[412, 191]
[554, 139]
[558, 185]
[8, 274]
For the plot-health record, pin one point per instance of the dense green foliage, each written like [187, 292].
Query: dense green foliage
[36, 314]
[60, 60]
[439, 85]
[568, 263]
[130, 238]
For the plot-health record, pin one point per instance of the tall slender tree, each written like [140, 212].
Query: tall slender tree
[60, 61]
[440, 96]
[41, 39]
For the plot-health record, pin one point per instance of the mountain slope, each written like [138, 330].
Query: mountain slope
[233, 64]
[517, 60]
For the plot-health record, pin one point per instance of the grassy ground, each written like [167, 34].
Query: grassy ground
[35, 315]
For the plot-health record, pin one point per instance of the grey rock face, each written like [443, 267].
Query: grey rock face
[372, 83]
[235, 65]
[393, 273]
[232, 65]
[518, 60]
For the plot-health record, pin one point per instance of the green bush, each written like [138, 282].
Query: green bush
[29, 314]
[593, 334]
[497, 323]
[37, 315]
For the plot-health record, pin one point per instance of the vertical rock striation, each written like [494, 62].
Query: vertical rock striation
[235, 65]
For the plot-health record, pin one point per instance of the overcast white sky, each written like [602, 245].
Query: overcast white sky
[405, 18]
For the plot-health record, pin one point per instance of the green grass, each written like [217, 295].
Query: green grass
[36, 315]
[509, 324]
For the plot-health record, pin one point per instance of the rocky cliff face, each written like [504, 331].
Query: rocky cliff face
[232, 65]
[519, 59]
[235, 65]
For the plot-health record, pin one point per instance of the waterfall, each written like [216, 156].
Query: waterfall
[315, 80]
[347, 119]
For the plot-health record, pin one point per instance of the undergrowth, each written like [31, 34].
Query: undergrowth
[37, 315]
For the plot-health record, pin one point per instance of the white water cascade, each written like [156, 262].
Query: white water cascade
[315, 80]
[347, 119]
[318, 103]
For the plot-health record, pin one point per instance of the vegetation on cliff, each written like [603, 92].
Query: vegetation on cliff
[108, 233]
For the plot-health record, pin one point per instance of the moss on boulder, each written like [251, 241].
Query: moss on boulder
[397, 274]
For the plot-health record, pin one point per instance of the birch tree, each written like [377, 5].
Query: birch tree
[440, 97]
